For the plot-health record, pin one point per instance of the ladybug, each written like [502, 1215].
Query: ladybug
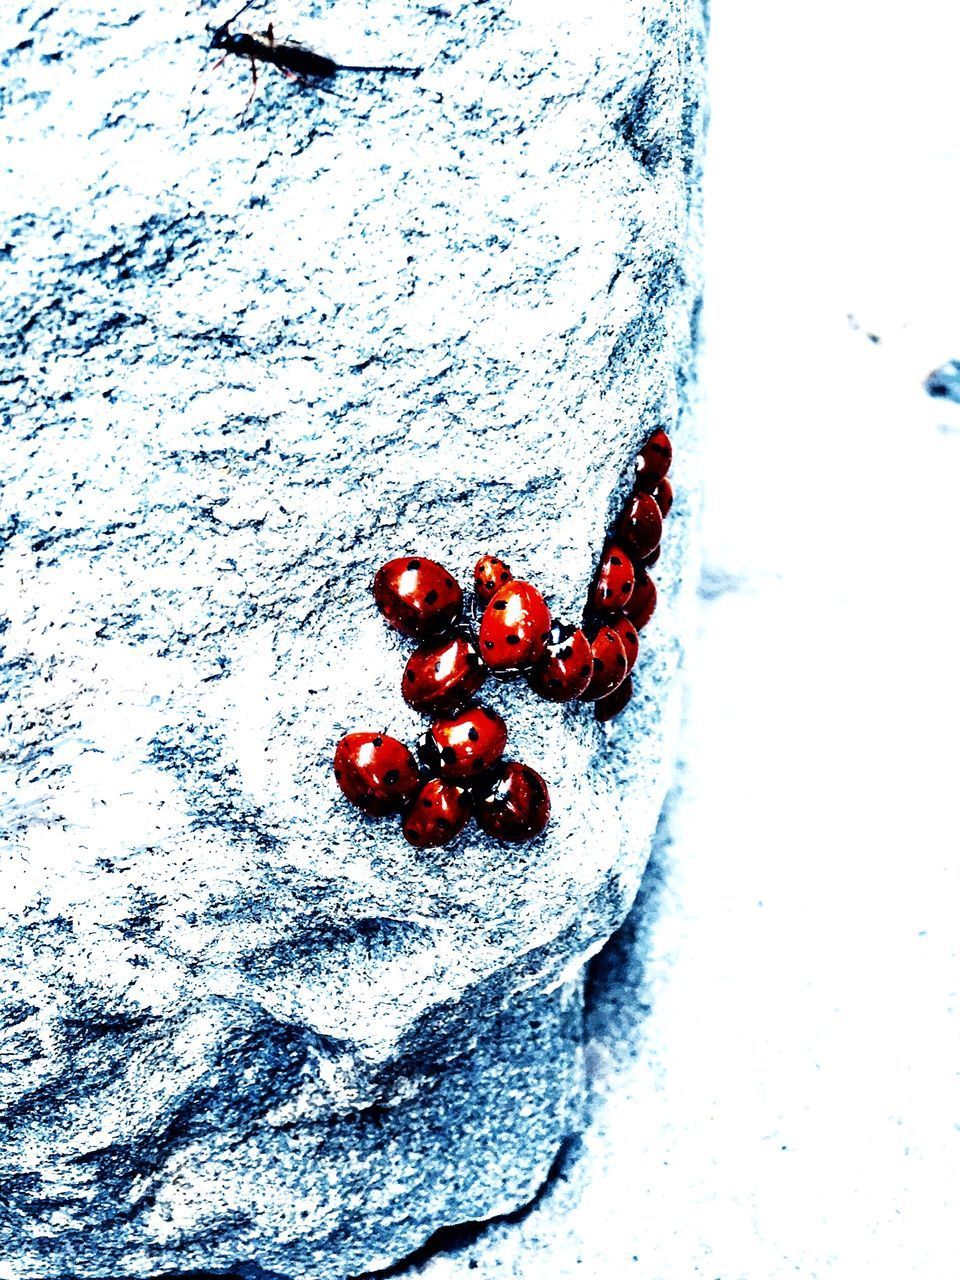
[643, 601]
[438, 814]
[514, 805]
[653, 461]
[664, 496]
[377, 773]
[417, 596]
[489, 575]
[515, 627]
[613, 585]
[442, 675]
[641, 525]
[648, 561]
[627, 632]
[609, 665]
[565, 669]
[464, 745]
[606, 708]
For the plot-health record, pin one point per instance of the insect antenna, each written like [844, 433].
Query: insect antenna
[230, 21]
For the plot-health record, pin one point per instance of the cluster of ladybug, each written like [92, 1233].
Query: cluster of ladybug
[462, 771]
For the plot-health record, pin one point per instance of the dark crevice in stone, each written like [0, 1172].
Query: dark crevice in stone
[464, 1234]
[614, 992]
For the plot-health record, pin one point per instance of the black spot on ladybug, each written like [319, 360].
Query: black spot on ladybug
[504, 577]
[488, 644]
[585, 669]
[512, 639]
[378, 742]
[411, 677]
[621, 660]
[598, 664]
[448, 755]
[473, 735]
[430, 598]
[336, 774]
[449, 582]
[616, 560]
[391, 776]
[413, 564]
[555, 682]
[442, 824]
[427, 804]
[500, 605]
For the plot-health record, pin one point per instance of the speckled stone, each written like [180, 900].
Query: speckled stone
[244, 1028]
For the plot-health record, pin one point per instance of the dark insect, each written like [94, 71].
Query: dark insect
[295, 60]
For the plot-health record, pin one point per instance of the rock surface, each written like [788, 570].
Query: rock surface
[243, 1028]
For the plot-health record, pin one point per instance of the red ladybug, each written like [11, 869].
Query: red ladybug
[515, 804]
[489, 575]
[565, 669]
[515, 627]
[609, 665]
[443, 674]
[417, 596]
[377, 773]
[664, 496]
[631, 641]
[464, 745]
[641, 525]
[438, 814]
[643, 601]
[613, 585]
[653, 461]
[606, 708]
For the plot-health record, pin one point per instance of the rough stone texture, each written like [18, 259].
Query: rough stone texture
[244, 362]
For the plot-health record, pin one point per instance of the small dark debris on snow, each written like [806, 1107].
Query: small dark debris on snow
[944, 383]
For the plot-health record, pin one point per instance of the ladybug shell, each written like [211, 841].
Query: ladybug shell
[613, 585]
[609, 665]
[438, 814]
[565, 669]
[606, 708]
[417, 596]
[653, 461]
[648, 561]
[515, 627]
[631, 641]
[489, 575]
[515, 805]
[442, 674]
[377, 773]
[464, 745]
[643, 601]
[664, 496]
[641, 525]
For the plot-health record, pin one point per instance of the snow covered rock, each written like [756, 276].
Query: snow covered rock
[245, 1029]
